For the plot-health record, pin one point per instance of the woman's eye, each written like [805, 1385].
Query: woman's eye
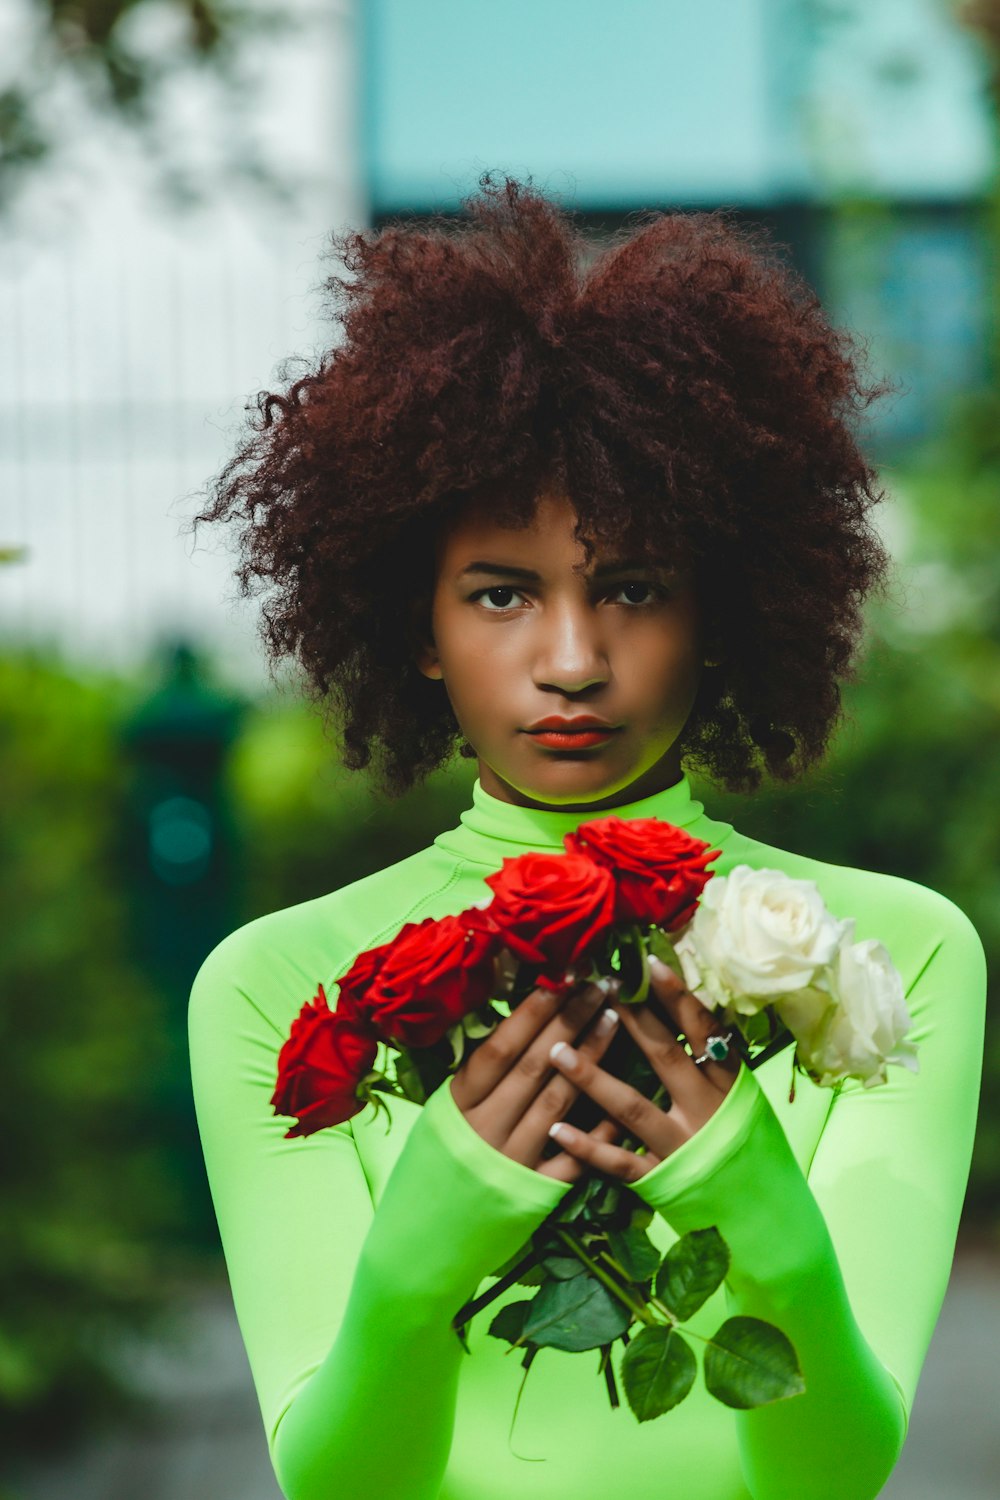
[637, 583]
[657, 592]
[498, 588]
[497, 606]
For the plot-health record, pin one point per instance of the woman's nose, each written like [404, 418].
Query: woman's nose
[571, 653]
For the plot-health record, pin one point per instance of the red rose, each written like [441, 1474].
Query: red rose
[550, 908]
[659, 870]
[320, 1065]
[434, 972]
[358, 980]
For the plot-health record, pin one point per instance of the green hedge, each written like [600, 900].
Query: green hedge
[94, 1201]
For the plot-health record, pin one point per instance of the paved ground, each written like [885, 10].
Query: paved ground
[208, 1443]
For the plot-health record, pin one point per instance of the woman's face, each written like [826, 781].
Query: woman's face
[520, 633]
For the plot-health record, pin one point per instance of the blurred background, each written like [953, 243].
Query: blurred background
[169, 173]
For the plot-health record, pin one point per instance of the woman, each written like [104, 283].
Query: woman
[520, 489]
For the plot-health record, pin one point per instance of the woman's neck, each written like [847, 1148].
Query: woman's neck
[491, 828]
[666, 772]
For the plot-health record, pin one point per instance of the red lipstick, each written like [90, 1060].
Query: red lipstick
[576, 732]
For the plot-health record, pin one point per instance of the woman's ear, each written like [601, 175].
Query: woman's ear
[422, 640]
[427, 662]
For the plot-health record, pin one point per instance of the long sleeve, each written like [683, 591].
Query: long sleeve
[852, 1259]
[345, 1308]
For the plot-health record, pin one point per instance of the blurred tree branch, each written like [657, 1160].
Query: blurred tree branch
[984, 16]
[119, 57]
[980, 435]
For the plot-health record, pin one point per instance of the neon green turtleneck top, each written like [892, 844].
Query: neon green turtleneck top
[350, 1250]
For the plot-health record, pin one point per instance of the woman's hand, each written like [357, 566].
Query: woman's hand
[510, 1091]
[695, 1091]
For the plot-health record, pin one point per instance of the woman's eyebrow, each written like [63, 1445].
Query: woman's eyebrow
[511, 570]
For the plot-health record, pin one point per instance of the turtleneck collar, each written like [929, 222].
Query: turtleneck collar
[492, 829]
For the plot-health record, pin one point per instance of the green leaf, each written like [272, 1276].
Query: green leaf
[576, 1314]
[632, 970]
[642, 1215]
[594, 1187]
[658, 1370]
[409, 1078]
[606, 1203]
[563, 1267]
[510, 1262]
[751, 1363]
[509, 1321]
[692, 1270]
[532, 1276]
[757, 1029]
[481, 1022]
[659, 943]
[634, 1251]
[456, 1037]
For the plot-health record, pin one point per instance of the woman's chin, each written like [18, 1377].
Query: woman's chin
[564, 779]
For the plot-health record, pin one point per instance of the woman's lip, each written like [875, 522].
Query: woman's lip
[575, 739]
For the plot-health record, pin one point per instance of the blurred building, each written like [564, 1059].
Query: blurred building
[860, 133]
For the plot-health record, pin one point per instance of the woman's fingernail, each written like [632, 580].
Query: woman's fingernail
[562, 1053]
[607, 1020]
[658, 968]
[607, 984]
[559, 1129]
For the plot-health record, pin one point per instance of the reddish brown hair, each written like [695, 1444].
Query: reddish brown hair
[685, 384]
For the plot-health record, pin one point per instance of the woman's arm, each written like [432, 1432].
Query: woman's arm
[345, 1310]
[852, 1263]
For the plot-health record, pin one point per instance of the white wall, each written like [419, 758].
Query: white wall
[132, 338]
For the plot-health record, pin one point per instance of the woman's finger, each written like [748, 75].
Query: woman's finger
[529, 1073]
[504, 1050]
[598, 1150]
[695, 1022]
[692, 1094]
[531, 1131]
[661, 1131]
[567, 1166]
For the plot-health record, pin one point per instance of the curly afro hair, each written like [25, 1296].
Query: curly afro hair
[682, 382]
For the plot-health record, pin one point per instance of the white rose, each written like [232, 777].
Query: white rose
[864, 1025]
[806, 1013]
[756, 935]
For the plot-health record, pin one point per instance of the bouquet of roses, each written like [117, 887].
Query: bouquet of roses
[757, 947]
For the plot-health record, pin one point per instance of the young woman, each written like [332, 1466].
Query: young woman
[522, 489]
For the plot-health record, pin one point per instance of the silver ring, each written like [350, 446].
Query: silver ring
[716, 1049]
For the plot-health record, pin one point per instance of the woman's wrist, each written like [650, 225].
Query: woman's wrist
[453, 1210]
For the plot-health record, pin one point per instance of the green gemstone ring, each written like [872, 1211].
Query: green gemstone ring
[716, 1049]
